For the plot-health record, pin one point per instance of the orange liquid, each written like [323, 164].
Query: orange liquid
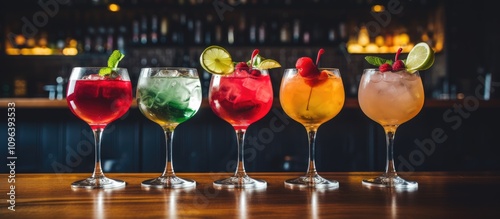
[312, 106]
[390, 99]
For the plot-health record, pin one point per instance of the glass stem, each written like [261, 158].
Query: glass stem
[240, 166]
[311, 169]
[169, 138]
[390, 132]
[97, 168]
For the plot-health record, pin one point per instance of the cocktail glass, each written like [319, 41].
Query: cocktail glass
[241, 99]
[168, 96]
[390, 99]
[311, 102]
[98, 100]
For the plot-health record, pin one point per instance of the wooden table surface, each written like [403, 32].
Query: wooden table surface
[439, 195]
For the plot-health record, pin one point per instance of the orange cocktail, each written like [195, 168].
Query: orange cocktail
[312, 103]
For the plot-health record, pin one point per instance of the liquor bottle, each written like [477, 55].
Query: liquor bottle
[209, 27]
[296, 32]
[252, 33]
[99, 40]
[154, 29]
[262, 33]
[198, 35]
[120, 38]
[143, 34]
[285, 35]
[110, 40]
[230, 34]
[164, 30]
[241, 32]
[135, 31]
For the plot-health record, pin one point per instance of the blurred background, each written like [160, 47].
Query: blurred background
[42, 40]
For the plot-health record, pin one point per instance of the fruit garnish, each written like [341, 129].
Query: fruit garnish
[113, 60]
[420, 57]
[241, 66]
[310, 72]
[216, 60]
[268, 64]
[262, 63]
[385, 67]
[306, 67]
[398, 64]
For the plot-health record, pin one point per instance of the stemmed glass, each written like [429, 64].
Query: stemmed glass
[98, 100]
[390, 99]
[168, 96]
[312, 103]
[241, 99]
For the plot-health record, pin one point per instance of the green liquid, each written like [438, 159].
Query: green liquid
[169, 101]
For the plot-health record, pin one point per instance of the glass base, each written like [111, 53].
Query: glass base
[101, 182]
[315, 181]
[240, 182]
[390, 181]
[169, 182]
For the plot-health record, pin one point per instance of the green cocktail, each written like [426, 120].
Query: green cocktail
[168, 96]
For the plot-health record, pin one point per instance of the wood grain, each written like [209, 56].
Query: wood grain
[440, 195]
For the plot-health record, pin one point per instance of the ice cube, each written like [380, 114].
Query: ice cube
[251, 84]
[377, 77]
[230, 92]
[93, 77]
[392, 77]
[240, 73]
[168, 73]
[264, 94]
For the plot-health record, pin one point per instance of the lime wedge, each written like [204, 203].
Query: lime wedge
[216, 60]
[268, 64]
[420, 57]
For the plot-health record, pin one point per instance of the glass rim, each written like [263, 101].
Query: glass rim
[94, 67]
[322, 68]
[169, 67]
[376, 69]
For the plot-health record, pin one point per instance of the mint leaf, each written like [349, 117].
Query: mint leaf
[256, 61]
[105, 71]
[115, 58]
[113, 61]
[377, 61]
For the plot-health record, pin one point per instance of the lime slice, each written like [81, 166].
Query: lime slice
[420, 57]
[268, 64]
[216, 60]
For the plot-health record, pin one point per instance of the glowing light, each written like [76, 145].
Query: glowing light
[113, 7]
[363, 37]
[378, 8]
[70, 51]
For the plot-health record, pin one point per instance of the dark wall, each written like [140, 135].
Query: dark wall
[54, 140]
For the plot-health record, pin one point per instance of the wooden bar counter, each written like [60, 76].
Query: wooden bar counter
[439, 195]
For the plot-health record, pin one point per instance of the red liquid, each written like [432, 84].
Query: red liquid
[241, 101]
[99, 102]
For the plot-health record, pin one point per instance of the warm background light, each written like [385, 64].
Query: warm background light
[378, 8]
[114, 7]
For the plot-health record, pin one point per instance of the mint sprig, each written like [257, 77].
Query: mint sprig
[113, 61]
[377, 61]
[256, 61]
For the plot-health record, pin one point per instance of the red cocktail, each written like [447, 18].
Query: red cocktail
[241, 99]
[99, 102]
